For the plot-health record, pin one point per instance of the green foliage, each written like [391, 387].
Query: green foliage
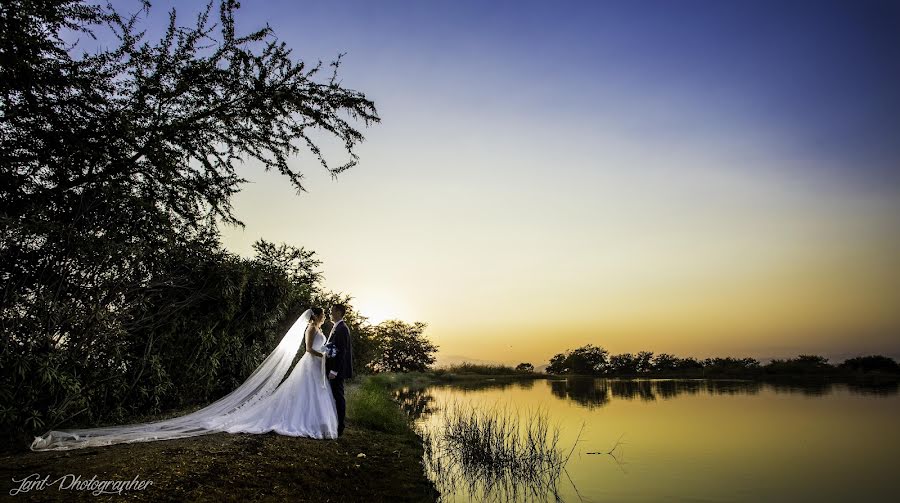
[369, 405]
[402, 347]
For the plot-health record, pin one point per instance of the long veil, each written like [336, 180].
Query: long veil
[261, 383]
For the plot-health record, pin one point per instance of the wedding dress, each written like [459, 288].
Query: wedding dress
[301, 408]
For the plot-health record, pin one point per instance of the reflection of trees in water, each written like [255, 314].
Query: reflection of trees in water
[821, 388]
[715, 387]
[671, 389]
[806, 388]
[874, 388]
[416, 402]
[596, 392]
[589, 393]
[633, 389]
[459, 461]
[466, 385]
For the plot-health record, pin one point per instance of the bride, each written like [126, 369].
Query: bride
[302, 405]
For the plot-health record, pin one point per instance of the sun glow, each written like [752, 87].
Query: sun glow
[378, 307]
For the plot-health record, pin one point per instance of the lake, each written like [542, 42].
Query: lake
[689, 440]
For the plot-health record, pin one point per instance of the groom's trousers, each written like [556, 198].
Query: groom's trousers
[337, 389]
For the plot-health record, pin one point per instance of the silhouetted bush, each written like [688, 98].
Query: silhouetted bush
[803, 364]
[477, 369]
[524, 367]
[593, 360]
[872, 363]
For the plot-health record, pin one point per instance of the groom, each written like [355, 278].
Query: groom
[341, 366]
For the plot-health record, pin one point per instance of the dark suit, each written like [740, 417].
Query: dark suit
[342, 363]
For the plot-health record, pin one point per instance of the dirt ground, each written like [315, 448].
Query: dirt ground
[235, 467]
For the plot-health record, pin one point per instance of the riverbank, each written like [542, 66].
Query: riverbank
[379, 458]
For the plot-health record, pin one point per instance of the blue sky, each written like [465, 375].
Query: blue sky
[821, 77]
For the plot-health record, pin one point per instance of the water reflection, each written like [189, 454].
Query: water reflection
[597, 392]
[416, 402]
[464, 385]
[587, 392]
[492, 454]
[756, 440]
[419, 401]
[883, 389]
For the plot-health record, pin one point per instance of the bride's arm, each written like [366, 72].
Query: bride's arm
[310, 337]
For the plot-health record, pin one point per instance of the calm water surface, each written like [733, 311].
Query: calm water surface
[697, 440]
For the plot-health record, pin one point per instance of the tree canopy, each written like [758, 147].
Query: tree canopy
[403, 347]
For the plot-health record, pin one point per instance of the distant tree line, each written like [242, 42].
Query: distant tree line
[595, 360]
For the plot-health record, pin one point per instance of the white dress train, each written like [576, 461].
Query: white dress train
[302, 406]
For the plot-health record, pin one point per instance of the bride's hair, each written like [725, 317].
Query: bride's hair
[317, 312]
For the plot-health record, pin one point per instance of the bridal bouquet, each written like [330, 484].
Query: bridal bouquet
[330, 349]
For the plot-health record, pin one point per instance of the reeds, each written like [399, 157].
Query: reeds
[493, 454]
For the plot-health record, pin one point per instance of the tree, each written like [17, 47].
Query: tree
[402, 347]
[113, 157]
[870, 363]
[524, 367]
[586, 360]
[665, 362]
[730, 366]
[688, 364]
[803, 364]
[557, 364]
[118, 164]
[625, 363]
[644, 362]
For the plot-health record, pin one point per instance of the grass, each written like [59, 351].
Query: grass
[369, 405]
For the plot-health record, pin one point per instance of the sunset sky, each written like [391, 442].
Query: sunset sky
[699, 178]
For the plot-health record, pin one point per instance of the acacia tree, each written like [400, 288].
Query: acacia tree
[117, 164]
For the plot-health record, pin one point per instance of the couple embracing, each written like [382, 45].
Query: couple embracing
[310, 402]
